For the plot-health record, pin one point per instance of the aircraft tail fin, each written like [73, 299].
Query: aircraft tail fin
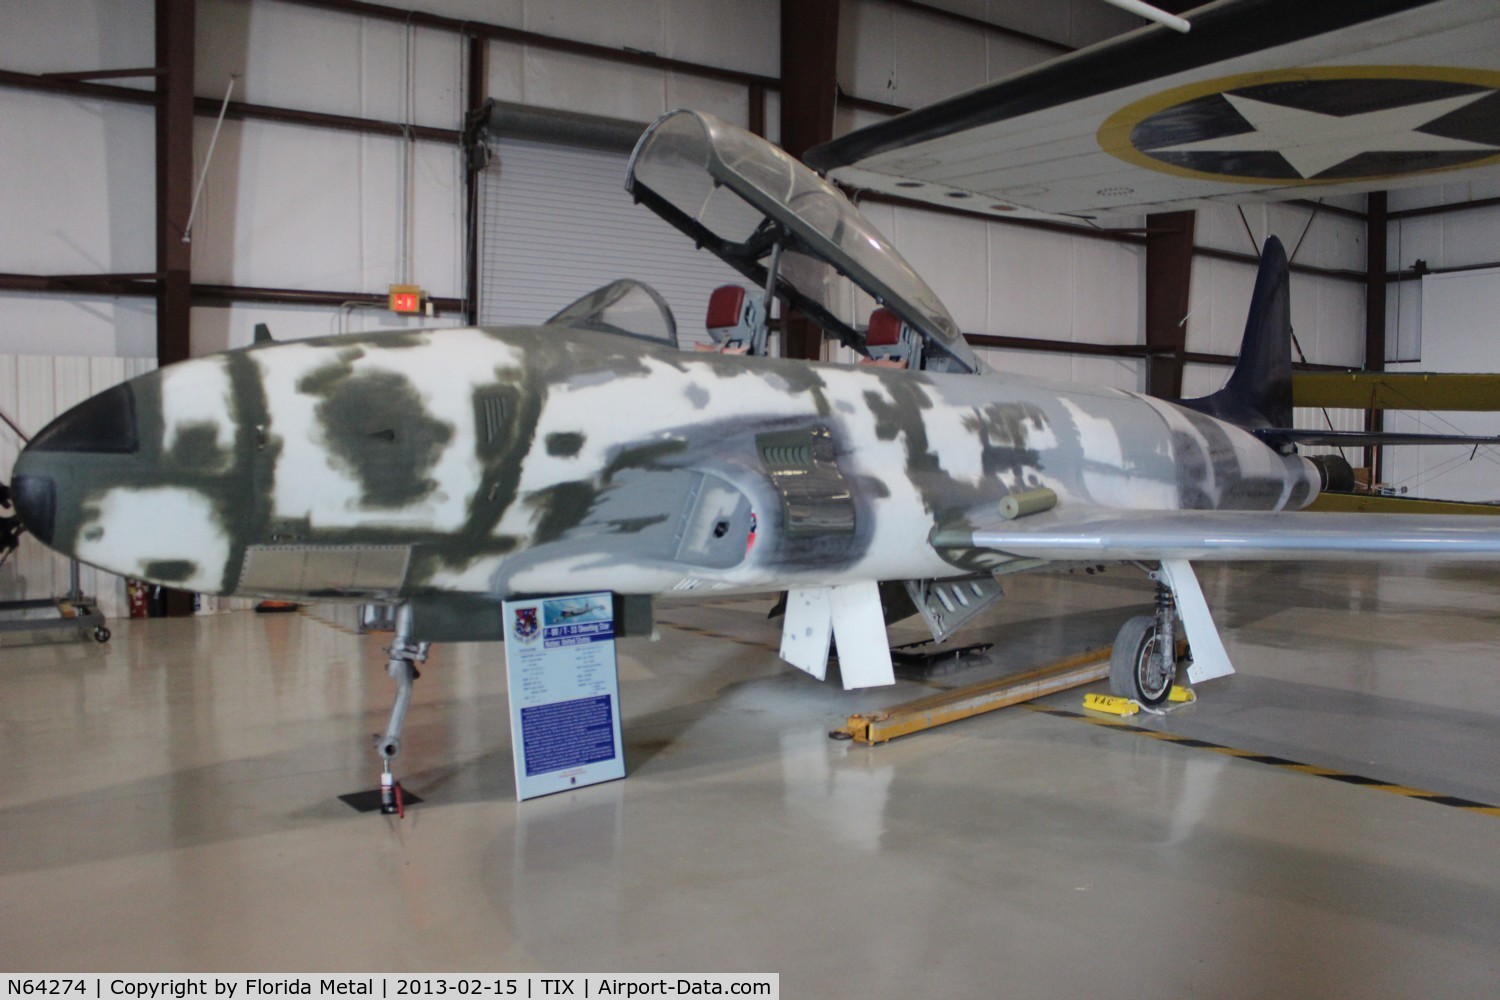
[1259, 392]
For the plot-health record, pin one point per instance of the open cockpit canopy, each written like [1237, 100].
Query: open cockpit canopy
[771, 218]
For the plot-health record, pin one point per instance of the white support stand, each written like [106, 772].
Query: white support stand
[851, 614]
[807, 630]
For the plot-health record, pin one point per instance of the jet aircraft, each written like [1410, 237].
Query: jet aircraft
[447, 470]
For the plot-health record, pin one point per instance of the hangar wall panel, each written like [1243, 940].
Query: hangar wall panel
[78, 194]
[729, 101]
[1458, 318]
[579, 83]
[1008, 280]
[1060, 287]
[541, 78]
[505, 72]
[286, 206]
[1444, 322]
[1403, 322]
[950, 59]
[1070, 22]
[1320, 239]
[911, 58]
[1459, 239]
[291, 56]
[735, 34]
[85, 325]
[899, 55]
[117, 34]
[292, 207]
[1114, 373]
[1442, 194]
[1031, 284]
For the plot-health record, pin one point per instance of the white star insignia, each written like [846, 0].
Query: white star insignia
[1313, 142]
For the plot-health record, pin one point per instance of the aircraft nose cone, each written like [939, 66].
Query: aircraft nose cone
[35, 498]
[63, 455]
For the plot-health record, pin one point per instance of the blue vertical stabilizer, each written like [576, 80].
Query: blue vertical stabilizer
[1259, 392]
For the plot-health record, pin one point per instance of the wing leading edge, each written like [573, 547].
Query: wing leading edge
[1222, 535]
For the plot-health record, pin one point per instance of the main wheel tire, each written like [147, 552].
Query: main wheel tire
[1134, 671]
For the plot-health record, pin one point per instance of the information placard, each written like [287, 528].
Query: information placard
[564, 692]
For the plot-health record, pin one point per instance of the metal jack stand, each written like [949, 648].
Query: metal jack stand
[75, 611]
[404, 655]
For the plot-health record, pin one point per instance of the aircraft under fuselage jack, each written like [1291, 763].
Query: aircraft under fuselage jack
[447, 470]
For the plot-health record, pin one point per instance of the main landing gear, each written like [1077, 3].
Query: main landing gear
[1143, 666]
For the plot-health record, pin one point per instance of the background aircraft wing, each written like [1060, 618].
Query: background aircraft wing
[1094, 534]
[1262, 99]
[1354, 439]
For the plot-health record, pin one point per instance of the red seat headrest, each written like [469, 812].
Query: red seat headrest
[885, 329]
[724, 307]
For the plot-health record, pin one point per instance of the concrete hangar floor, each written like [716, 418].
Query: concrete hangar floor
[168, 803]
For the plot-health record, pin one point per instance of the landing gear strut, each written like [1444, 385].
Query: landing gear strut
[402, 667]
[1143, 665]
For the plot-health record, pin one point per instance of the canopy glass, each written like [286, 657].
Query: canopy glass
[740, 197]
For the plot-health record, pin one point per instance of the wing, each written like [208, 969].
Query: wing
[1398, 390]
[1263, 98]
[1354, 439]
[1093, 534]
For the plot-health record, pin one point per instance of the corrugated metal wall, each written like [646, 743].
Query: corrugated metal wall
[557, 224]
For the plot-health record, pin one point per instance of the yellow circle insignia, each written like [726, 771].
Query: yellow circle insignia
[1314, 125]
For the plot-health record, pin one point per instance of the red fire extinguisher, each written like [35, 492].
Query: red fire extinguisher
[135, 590]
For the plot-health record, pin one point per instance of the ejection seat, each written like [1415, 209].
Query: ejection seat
[735, 319]
[891, 343]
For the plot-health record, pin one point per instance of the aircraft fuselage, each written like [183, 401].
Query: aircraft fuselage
[544, 460]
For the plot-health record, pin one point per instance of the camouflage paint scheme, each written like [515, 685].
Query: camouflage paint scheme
[503, 462]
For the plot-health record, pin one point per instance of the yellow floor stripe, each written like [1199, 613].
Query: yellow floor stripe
[1343, 777]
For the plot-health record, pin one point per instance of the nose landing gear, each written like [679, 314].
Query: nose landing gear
[401, 665]
[402, 668]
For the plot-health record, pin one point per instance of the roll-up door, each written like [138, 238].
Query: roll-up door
[556, 223]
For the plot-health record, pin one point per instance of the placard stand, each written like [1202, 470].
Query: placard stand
[564, 692]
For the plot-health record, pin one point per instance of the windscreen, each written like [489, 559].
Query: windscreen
[624, 307]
